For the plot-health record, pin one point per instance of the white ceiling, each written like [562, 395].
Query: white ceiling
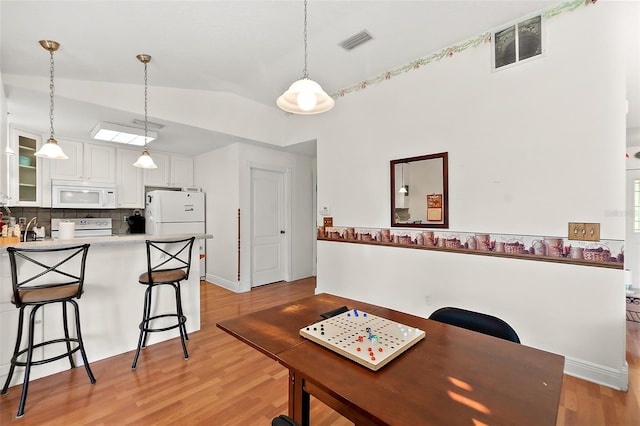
[253, 49]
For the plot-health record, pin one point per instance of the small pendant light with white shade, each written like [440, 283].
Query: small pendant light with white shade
[305, 96]
[145, 161]
[403, 188]
[51, 149]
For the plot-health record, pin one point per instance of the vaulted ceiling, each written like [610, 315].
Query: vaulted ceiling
[252, 49]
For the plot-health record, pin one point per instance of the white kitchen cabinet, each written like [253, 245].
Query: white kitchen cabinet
[129, 179]
[159, 176]
[173, 171]
[24, 183]
[99, 163]
[181, 171]
[87, 162]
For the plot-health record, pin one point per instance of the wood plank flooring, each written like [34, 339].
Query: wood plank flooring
[225, 382]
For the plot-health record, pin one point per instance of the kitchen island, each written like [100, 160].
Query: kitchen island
[111, 306]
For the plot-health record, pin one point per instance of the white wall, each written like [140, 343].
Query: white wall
[530, 149]
[217, 173]
[224, 175]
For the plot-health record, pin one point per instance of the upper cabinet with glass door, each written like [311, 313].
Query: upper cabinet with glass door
[24, 170]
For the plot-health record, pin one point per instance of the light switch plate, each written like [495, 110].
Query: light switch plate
[576, 231]
[592, 231]
[584, 231]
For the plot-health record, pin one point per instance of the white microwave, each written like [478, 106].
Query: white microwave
[82, 195]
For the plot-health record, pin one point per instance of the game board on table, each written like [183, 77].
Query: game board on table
[367, 339]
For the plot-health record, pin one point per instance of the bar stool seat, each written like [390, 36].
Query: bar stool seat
[168, 263]
[162, 277]
[42, 277]
[55, 294]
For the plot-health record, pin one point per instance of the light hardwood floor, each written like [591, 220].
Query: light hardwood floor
[225, 382]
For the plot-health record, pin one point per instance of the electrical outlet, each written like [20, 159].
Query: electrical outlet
[592, 231]
[22, 221]
[125, 217]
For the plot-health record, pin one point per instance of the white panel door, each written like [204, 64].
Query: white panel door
[267, 227]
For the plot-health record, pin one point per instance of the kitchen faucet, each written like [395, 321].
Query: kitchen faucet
[34, 221]
[6, 208]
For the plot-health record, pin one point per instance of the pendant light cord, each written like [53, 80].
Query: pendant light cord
[305, 73]
[51, 91]
[145, 105]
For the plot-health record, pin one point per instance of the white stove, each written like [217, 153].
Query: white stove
[85, 227]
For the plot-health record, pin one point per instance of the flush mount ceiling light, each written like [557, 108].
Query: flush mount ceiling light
[305, 96]
[121, 134]
[51, 149]
[145, 161]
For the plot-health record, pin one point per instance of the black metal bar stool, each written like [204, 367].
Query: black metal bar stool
[41, 277]
[168, 263]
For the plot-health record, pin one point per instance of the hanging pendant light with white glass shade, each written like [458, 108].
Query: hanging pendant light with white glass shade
[51, 149]
[305, 96]
[403, 188]
[145, 161]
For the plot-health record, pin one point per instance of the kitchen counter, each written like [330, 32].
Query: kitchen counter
[111, 305]
[114, 240]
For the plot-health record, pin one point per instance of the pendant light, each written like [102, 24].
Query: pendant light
[145, 161]
[51, 149]
[305, 96]
[403, 188]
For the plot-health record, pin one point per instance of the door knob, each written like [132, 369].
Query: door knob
[282, 232]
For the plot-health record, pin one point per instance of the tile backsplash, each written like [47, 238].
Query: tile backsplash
[44, 216]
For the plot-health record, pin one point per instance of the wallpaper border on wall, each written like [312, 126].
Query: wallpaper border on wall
[602, 254]
[449, 51]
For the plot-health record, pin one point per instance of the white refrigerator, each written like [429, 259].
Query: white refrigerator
[177, 212]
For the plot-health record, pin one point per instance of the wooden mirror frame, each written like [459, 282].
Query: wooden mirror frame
[444, 223]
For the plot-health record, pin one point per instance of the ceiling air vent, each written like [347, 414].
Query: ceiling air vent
[355, 40]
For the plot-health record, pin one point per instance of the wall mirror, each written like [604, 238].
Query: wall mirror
[420, 191]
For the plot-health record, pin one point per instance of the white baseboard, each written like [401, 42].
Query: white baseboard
[606, 376]
[234, 286]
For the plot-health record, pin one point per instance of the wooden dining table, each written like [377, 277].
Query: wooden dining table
[451, 377]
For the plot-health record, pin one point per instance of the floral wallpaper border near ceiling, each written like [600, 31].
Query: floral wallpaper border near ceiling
[449, 51]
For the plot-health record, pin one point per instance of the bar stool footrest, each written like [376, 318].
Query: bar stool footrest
[181, 321]
[17, 363]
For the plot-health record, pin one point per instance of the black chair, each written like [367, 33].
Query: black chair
[41, 277]
[476, 321]
[168, 263]
[283, 420]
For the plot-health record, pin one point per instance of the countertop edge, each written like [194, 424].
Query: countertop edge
[114, 240]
